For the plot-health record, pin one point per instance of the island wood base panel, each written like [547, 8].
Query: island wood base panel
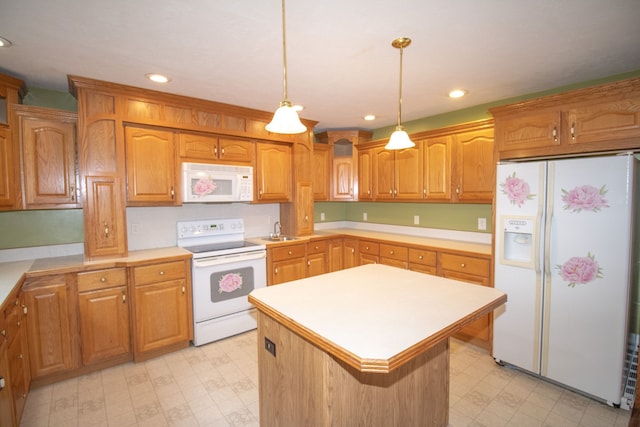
[304, 386]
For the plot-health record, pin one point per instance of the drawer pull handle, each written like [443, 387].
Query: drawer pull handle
[308, 263]
[367, 247]
[573, 131]
[103, 279]
[3, 332]
[162, 273]
[18, 323]
[20, 356]
[24, 309]
[222, 151]
[391, 252]
[420, 257]
[289, 252]
[183, 289]
[124, 298]
[353, 251]
[276, 270]
[462, 265]
[555, 134]
[2, 384]
[317, 248]
[106, 230]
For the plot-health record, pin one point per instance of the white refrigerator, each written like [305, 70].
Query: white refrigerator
[563, 256]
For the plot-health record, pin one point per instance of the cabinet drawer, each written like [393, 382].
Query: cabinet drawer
[399, 253]
[288, 252]
[316, 247]
[102, 279]
[371, 248]
[159, 272]
[422, 256]
[465, 264]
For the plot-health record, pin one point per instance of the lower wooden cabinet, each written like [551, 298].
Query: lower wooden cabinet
[103, 305]
[317, 258]
[368, 252]
[286, 263]
[51, 324]
[423, 260]
[349, 252]
[162, 316]
[394, 255]
[335, 254]
[6, 399]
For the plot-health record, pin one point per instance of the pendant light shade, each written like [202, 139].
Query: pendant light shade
[399, 138]
[285, 120]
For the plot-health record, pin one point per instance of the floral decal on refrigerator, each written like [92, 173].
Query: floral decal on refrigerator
[230, 282]
[517, 190]
[580, 270]
[585, 198]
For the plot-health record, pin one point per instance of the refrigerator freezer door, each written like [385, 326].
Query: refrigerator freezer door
[586, 291]
[520, 199]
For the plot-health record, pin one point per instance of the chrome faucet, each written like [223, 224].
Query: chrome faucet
[277, 229]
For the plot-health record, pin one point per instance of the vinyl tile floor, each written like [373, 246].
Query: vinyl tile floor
[217, 385]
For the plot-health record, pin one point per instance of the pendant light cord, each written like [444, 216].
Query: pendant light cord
[399, 90]
[284, 53]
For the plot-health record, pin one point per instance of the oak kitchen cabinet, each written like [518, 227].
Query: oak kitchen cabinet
[151, 165]
[162, 315]
[286, 263]
[368, 252]
[335, 254]
[14, 315]
[437, 163]
[51, 325]
[423, 260]
[6, 399]
[11, 92]
[317, 257]
[594, 119]
[103, 305]
[474, 167]
[365, 173]
[350, 252]
[273, 172]
[321, 172]
[394, 255]
[397, 174]
[209, 148]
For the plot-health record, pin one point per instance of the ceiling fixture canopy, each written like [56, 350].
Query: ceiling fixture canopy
[285, 120]
[399, 138]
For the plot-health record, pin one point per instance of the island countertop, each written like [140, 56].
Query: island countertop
[376, 317]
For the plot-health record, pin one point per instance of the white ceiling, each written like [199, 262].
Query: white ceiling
[340, 62]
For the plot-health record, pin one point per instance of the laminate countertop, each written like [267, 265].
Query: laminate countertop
[15, 272]
[376, 317]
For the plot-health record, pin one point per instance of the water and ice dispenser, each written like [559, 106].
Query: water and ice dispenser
[518, 241]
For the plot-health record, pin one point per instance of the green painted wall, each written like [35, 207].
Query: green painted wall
[23, 229]
[459, 217]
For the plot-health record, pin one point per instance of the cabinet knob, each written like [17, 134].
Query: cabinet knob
[462, 265]
[215, 151]
[103, 279]
[458, 190]
[308, 263]
[2, 384]
[3, 332]
[317, 247]
[391, 252]
[222, 151]
[162, 273]
[289, 252]
[18, 323]
[573, 131]
[424, 191]
[420, 257]
[368, 192]
[555, 134]
[20, 356]
[390, 192]
[366, 247]
[24, 309]
[276, 270]
[173, 193]
[183, 289]
[353, 251]
[106, 230]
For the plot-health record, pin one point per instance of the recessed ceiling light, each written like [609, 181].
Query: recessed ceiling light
[4, 42]
[157, 78]
[457, 93]
[369, 117]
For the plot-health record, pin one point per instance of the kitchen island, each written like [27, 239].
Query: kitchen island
[367, 345]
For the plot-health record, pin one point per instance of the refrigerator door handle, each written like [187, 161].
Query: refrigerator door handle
[546, 292]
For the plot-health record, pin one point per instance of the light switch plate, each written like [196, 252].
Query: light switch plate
[482, 223]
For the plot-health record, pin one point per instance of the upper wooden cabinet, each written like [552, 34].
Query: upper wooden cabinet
[208, 148]
[454, 164]
[321, 172]
[11, 92]
[151, 167]
[595, 119]
[273, 172]
[48, 141]
[343, 161]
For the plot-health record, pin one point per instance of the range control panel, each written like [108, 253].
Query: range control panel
[210, 227]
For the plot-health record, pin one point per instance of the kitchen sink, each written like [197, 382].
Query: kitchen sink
[279, 238]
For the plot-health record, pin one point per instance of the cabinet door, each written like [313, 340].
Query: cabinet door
[475, 166]
[408, 174]
[6, 400]
[104, 227]
[520, 132]
[48, 327]
[288, 270]
[335, 255]
[436, 154]
[161, 315]
[349, 253]
[383, 171]
[321, 180]
[274, 171]
[198, 147]
[343, 185]
[49, 149]
[104, 324]
[316, 264]
[604, 122]
[304, 208]
[151, 167]
[236, 150]
[365, 174]
[8, 189]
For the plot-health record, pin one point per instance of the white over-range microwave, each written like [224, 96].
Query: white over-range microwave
[207, 183]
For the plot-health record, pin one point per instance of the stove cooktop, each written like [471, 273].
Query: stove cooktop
[213, 248]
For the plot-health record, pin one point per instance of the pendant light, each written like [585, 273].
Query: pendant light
[399, 138]
[285, 120]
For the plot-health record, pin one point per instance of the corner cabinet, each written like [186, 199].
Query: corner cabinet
[151, 167]
[48, 142]
[594, 119]
[162, 315]
[273, 172]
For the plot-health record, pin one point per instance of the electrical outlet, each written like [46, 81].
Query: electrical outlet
[135, 228]
[482, 223]
[364, 216]
[416, 219]
[321, 216]
[270, 346]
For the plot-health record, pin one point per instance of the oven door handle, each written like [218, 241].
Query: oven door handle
[226, 259]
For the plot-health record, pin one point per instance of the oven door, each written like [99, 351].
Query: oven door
[221, 283]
